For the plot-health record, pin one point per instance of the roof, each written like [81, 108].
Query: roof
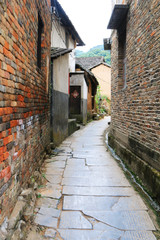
[65, 21]
[118, 16]
[89, 62]
[104, 63]
[89, 72]
[56, 52]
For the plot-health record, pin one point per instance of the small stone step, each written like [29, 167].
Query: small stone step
[16, 214]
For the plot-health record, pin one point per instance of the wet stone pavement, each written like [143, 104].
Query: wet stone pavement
[87, 196]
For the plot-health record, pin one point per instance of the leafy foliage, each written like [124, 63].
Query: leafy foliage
[95, 52]
[102, 102]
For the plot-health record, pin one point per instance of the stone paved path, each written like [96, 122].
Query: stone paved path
[87, 196]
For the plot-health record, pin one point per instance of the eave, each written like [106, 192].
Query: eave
[118, 16]
[57, 52]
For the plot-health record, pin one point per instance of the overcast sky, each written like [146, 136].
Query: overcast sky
[90, 18]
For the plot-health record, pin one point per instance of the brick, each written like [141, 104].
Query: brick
[24, 104]
[135, 104]
[7, 140]
[7, 177]
[5, 155]
[6, 45]
[13, 123]
[7, 110]
[1, 111]
[10, 69]
[20, 98]
[5, 172]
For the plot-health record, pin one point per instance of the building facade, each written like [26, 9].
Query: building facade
[135, 124]
[83, 88]
[78, 97]
[102, 72]
[24, 97]
[64, 39]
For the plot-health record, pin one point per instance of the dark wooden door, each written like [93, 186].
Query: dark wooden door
[75, 100]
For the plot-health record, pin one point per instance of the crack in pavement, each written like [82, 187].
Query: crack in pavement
[115, 203]
[100, 221]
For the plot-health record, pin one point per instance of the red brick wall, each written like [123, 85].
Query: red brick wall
[136, 108]
[24, 100]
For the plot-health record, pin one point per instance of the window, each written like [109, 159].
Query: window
[40, 30]
[122, 58]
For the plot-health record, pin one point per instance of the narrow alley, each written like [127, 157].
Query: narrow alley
[87, 196]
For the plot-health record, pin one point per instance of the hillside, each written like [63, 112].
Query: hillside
[94, 52]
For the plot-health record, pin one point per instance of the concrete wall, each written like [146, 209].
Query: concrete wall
[103, 75]
[72, 61]
[24, 99]
[59, 108]
[135, 126]
[77, 79]
[60, 87]
[61, 73]
[58, 34]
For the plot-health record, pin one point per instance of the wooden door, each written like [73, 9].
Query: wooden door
[75, 100]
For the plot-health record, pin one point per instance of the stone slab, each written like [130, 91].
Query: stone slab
[100, 162]
[74, 168]
[96, 174]
[53, 178]
[47, 202]
[74, 220]
[101, 235]
[56, 158]
[49, 211]
[136, 235]
[50, 193]
[97, 203]
[56, 164]
[16, 213]
[88, 154]
[50, 233]
[54, 171]
[46, 220]
[97, 182]
[76, 162]
[124, 220]
[98, 191]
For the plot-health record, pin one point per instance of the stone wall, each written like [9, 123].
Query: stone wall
[24, 98]
[135, 127]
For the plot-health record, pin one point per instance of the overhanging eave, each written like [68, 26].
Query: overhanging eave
[118, 16]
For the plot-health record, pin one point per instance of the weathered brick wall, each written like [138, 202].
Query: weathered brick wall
[136, 108]
[24, 100]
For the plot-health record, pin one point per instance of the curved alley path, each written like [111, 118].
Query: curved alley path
[87, 196]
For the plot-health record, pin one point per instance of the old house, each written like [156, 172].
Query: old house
[135, 125]
[102, 72]
[83, 87]
[64, 38]
[24, 97]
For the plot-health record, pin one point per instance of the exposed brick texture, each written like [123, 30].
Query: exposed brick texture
[24, 100]
[136, 107]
